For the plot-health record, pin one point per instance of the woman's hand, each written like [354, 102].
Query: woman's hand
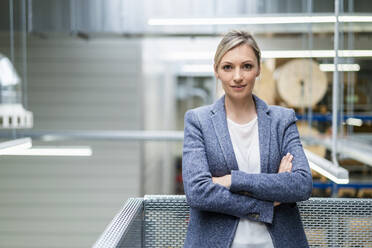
[286, 163]
[224, 180]
[285, 166]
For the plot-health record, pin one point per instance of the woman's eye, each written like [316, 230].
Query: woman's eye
[226, 67]
[248, 66]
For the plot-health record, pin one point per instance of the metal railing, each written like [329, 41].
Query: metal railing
[161, 221]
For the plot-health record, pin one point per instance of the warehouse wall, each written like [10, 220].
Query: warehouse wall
[73, 84]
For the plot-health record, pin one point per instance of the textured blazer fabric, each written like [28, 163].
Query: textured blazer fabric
[214, 209]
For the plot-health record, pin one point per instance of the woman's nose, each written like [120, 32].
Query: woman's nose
[237, 75]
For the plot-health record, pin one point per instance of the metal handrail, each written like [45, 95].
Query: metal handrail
[116, 232]
[161, 220]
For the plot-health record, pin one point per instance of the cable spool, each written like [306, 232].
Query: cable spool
[301, 83]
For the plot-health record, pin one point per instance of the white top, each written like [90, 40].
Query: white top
[244, 138]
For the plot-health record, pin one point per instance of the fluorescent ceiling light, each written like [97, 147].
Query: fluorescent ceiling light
[323, 166]
[22, 147]
[355, 53]
[341, 67]
[241, 20]
[298, 54]
[315, 53]
[271, 54]
[15, 145]
[195, 68]
[256, 20]
[54, 151]
[345, 18]
[328, 175]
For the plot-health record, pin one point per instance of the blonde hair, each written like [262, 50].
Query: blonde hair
[233, 39]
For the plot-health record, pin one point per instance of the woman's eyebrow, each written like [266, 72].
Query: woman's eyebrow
[250, 61]
[229, 62]
[226, 62]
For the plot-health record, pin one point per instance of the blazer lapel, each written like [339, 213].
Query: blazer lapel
[264, 132]
[218, 116]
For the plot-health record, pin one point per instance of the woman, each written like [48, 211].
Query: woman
[244, 167]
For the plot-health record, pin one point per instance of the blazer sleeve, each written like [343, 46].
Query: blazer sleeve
[202, 193]
[286, 187]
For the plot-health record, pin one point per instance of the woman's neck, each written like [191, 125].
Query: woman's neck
[240, 110]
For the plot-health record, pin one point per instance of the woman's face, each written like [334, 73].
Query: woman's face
[237, 71]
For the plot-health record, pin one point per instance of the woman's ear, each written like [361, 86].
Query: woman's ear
[258, 71]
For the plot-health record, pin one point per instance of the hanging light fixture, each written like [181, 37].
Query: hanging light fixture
[53, 151]
[23, 147]
[12, 113]
[326, 168]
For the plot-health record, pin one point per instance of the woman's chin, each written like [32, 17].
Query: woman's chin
[238, 95]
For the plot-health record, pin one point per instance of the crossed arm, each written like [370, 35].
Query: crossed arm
[285, 166]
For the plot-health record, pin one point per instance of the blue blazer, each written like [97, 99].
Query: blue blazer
[214, 209]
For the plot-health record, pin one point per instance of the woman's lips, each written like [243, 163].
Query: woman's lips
[238, 87]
